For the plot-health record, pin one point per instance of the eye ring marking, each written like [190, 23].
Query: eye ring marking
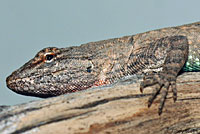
[48, 57]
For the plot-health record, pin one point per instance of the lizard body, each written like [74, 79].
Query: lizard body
[159, 55]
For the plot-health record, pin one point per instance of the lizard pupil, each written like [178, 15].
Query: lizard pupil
[49, 57]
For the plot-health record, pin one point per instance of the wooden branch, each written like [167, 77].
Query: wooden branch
[120, 109]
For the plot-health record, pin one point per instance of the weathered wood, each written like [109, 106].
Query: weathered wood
[120, 108]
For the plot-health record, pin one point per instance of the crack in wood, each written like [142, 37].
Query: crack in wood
[103, 101]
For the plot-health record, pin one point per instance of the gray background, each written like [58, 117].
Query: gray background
[26, 26]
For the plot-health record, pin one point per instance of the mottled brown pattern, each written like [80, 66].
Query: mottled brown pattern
[157, 55]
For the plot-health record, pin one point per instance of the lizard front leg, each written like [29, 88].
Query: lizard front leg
[177, 54]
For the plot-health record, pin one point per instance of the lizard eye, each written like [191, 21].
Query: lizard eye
[48, 57]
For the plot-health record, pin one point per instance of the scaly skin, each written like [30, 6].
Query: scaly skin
[159, 55]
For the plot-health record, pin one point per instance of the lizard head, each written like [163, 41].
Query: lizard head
[54, 72]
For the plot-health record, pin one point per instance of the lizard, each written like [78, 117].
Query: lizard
[157, 56]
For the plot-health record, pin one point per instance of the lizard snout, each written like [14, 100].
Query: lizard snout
[10, 82]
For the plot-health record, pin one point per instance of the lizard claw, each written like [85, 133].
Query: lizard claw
[141, 87]
[161, 84]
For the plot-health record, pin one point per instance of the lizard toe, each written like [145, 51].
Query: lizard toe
[163, 97]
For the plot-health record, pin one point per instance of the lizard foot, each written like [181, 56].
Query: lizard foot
[161, 82]
[166, 77]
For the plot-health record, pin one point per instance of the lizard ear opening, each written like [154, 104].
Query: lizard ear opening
[48, 57]
[89, 69]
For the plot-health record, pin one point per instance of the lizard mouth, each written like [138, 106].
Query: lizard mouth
[25, 86]
[19, 86]
[30, 86]
[15, 83]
